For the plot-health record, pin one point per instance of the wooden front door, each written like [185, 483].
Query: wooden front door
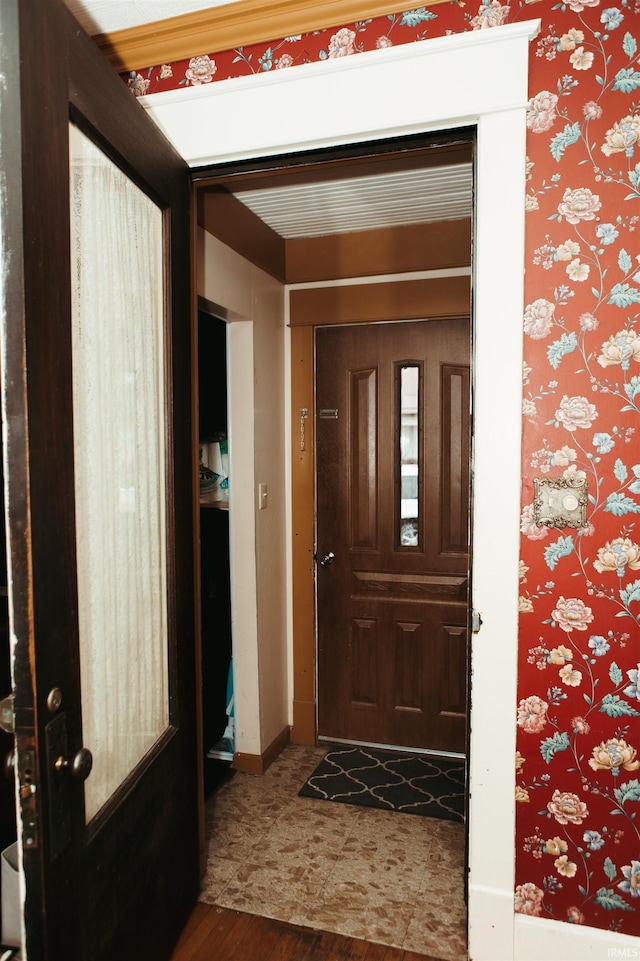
[96, 353]
[392, 448]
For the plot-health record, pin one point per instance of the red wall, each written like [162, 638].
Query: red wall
[577, 770]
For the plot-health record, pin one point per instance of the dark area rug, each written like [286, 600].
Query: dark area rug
[409, 783]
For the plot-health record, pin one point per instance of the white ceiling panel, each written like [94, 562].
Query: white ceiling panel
[108, 16]
[383, 200]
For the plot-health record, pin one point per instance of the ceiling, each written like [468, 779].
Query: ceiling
[364, 203]
[344, 203]
[108, 16]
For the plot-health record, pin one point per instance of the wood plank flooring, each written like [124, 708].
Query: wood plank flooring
[219, 934]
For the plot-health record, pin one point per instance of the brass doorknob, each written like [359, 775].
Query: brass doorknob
[78, 766]
[327, 559]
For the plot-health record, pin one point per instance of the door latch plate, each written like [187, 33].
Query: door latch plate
[26, 780]
[59, 800]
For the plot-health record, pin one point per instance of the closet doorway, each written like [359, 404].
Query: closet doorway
[215, 581]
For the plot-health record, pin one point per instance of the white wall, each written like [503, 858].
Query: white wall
[253, 303]
[268, 305]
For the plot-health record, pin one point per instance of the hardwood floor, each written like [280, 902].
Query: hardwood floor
[219, 934]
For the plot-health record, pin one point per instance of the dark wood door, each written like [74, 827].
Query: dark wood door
[111, 857]
[392, 499]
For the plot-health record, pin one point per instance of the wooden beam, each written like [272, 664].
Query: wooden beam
[370, 303]
[385, 251]
[231, 25]
[303, 535]
[343, 163]
[223, 216]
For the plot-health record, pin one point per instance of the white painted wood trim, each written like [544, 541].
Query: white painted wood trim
[537, 938]
[381, 93]
[496, 479]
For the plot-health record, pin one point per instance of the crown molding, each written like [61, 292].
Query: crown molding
[231, 25]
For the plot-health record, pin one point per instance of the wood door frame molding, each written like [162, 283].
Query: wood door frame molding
[303, 470]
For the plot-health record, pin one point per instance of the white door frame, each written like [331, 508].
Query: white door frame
[477, 78]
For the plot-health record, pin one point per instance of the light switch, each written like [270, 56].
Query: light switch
[560, 501]
[262, 496]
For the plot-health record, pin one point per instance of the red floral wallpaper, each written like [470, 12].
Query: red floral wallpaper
[578, 787]
[577, 769]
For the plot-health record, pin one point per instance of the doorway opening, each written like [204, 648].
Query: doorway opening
[218, 720]
[413, 271]
[498, 109]
[382, 226]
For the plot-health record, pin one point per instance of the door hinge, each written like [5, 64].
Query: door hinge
[476, 622]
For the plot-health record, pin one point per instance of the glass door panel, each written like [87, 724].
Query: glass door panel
[409, 455]
[119, 460]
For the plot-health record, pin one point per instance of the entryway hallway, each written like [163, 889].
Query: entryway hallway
[385, 878]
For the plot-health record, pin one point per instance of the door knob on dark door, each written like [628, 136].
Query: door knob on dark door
[79, 766]
[327, 559]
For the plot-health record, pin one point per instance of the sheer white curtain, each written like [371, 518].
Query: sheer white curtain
[118, 420]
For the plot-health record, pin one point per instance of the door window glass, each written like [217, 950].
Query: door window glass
[409, 455]
[119, 458]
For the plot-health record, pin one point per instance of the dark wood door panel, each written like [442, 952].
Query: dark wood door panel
[363, 459]
[392, 586]
[122, 884]
[454, 488]
[404, 678]
[392, 659]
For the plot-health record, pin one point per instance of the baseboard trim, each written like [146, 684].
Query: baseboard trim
[545, 938]
[259, 763]
[490, 922]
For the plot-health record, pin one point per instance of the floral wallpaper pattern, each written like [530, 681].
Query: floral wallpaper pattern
[577, 766]
[577, 769]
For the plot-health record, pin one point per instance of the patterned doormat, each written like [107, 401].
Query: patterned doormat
[393, 780]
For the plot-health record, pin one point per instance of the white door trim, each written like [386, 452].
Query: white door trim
[477, 78]
[434, 84]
